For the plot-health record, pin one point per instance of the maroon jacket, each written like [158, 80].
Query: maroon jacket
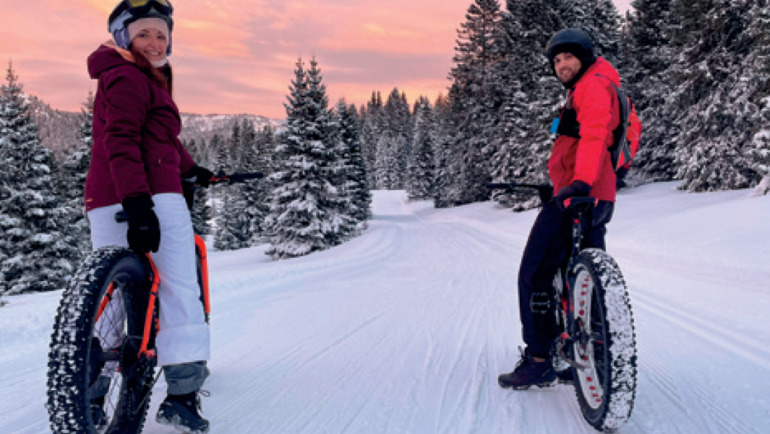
[586, 158]
[135, 130]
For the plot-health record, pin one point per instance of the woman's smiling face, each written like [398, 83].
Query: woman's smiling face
[152, 43]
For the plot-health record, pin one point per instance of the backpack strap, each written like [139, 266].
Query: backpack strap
[620, 149]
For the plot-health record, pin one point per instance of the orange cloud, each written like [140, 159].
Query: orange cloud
[238, 56]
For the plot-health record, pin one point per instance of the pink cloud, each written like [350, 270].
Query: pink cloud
[238, 56]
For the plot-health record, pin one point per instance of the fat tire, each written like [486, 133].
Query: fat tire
[606, 391]
[74, 361]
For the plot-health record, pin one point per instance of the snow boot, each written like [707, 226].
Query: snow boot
[529, 373]
[182, 412]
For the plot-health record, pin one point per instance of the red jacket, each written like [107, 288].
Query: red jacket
[586, 158]
[136, 127]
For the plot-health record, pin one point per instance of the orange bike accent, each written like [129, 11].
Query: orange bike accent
[105, 300]
[201, 246]
[143, 351]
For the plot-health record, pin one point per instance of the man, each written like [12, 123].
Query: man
[579, 166]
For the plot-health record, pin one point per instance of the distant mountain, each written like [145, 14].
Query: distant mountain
[59, 129]
[206, 126]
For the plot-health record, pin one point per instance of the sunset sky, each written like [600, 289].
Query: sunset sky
[238, 56]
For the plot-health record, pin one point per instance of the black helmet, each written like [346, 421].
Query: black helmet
[574, 41]
[128, 11]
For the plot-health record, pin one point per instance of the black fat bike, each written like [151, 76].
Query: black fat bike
[596, 344]
[102, 357]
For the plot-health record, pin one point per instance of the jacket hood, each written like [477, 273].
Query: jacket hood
[106, 57]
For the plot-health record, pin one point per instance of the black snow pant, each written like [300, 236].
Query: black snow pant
[547, 249]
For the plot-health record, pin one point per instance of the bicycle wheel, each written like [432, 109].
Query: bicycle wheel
[96, 381]
[603, 341]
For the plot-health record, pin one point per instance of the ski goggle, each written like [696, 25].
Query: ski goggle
[141, 7]
[131, 9]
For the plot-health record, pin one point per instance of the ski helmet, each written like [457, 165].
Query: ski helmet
[128, 11]
[574, 41]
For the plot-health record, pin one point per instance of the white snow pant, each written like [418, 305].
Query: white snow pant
[184, 337]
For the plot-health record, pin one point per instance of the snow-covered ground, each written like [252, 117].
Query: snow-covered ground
[405, 329]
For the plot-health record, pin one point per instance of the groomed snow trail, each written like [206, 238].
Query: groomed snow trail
[406, 328]
[402, 330]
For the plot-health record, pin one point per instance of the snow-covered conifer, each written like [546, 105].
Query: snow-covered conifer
[720, 104]
[473, 97]
[353, 179]
[73, 179]
[304, 203]
[421, 165]
[34, 255]
[393, 142]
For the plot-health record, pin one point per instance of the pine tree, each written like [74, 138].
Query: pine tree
[759, 151]
[722, 105]
[33, 250]
[233, 229]
[442, 151]
[352, 168]
[372, 126]
[649, 70]
[201, 213]
[474, 100]
[221, 151]
[421, 176]
[393, 142]
[600, 19]
[255, 159]
[73, 181]
[234, 222]
[304, 204]
[758, 37]
[265, 150]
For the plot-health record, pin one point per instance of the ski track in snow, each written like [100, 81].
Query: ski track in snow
[406, 328]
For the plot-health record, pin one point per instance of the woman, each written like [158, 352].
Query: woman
[137, 164]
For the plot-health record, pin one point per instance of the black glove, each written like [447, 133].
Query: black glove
[199, 176]
[576, 189]
[143, 226]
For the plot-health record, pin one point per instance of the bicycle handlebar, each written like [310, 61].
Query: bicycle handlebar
[544, 191]
[516, 186]
[233, 178]
[220, 178]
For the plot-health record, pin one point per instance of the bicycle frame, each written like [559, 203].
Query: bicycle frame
[579, 206]
[200, 247]
[151, 328]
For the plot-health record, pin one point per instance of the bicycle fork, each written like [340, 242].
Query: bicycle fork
[144, 350]
[571, 326]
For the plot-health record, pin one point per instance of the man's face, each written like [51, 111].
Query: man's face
[566, 66]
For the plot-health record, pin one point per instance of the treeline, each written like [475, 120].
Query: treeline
[698, 71]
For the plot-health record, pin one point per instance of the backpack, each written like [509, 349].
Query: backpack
[627, 134]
